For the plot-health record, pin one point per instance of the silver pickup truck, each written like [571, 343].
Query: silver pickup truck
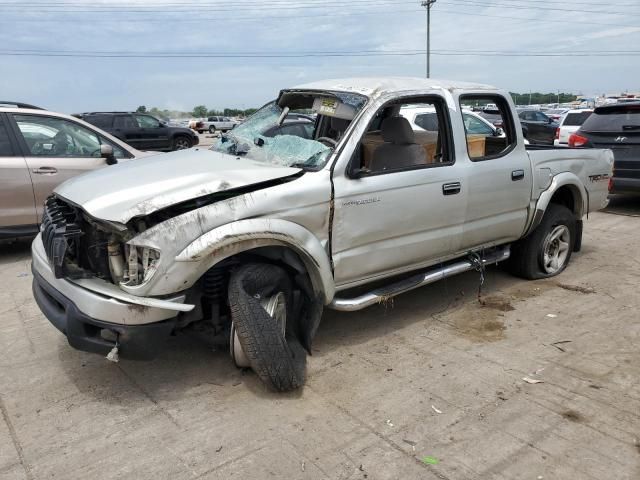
[257, 235]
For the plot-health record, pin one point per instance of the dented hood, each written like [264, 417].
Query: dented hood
[140, 187]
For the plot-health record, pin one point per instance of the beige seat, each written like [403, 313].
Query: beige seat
[400, 149]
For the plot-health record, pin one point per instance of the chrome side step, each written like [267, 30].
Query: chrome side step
[383, 294]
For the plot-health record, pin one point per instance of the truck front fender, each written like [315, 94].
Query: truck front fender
[243, 235]
[566, 180]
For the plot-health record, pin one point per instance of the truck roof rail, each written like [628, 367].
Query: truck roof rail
[19, 105]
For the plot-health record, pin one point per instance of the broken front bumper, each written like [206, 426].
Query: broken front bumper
[93, 322]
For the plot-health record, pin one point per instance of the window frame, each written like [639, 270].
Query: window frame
[444, 124]
[508, 124]
[14, 140]
[24, 150]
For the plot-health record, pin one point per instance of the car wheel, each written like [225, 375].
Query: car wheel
[212, 129]
[547, 250]
[200, 132]
[262, 331]
[181, 143]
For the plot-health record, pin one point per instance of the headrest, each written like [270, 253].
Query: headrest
[397, 130]
[339, 125]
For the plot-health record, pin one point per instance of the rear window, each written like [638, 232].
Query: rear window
[576, 119]
[620, 118]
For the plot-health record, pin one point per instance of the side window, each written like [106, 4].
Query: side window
[475, 126]
[483, 146]
[145, 121]
[6, 150]
[541, 117]
[124, 121]
[406, 135]
[57, 137]
[100, 121]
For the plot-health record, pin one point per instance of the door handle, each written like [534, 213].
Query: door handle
[45, 171]
[451, 188]
[517, 175]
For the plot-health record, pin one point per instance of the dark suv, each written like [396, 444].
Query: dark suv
[616, 127]
[537, 127]
[141, 130]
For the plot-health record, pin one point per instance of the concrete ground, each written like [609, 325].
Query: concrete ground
[428, 387]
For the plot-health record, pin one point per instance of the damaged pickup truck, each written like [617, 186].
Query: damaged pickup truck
[257, 235]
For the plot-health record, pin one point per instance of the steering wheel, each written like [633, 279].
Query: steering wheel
[326, 140]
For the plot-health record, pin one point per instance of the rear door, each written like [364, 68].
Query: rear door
[17, 204]
[498, 180]
[127, 129]
[56, 149]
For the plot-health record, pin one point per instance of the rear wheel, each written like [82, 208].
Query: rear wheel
[181, 143]
[547, 250]
[262, 330]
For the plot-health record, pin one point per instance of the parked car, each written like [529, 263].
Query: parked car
[258, 234]
[492, 116]
[537, 127]
[40, 149]
[570, 123]
[141, 130]
[556, 114]
[616, 127]
[426, 119]
[213, 124]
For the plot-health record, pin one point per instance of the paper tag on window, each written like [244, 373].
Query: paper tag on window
[328, 106]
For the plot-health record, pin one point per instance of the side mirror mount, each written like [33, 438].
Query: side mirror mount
[360, 172]
[106, 152]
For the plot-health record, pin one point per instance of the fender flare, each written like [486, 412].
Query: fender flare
[564, 179]
[243, 235]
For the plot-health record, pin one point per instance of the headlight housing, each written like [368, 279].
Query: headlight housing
[141, 263]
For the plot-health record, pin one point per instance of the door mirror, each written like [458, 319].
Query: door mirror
[498, 132]
[106, 152]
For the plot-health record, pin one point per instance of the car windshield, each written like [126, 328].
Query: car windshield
[254, 139]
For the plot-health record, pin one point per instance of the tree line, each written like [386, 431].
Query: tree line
[537, 98]
[199, 111]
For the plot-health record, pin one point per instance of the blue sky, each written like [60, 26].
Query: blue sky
[81, 84]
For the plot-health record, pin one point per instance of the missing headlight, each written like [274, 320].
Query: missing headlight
[141, 264]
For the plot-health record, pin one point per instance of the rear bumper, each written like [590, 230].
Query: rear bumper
[625, 185]
[135, 342]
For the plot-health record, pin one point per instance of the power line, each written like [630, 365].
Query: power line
[361, 53]
[537, 8]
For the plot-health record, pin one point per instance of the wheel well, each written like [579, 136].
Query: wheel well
[568, 197]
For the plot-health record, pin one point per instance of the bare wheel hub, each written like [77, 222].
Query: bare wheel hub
[276, 308]
[555, 249]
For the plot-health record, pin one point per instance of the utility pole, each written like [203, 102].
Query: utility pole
[427, 4]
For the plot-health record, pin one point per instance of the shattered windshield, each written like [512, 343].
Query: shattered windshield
[303, 136]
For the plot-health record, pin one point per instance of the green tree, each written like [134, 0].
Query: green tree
[141, 109]
[199, 111]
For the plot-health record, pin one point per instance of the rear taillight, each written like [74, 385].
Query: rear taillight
[576, 140]
[557, 133]
[610, 184]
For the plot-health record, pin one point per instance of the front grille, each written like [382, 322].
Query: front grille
[61, 233]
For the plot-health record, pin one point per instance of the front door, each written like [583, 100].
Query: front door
[56, 149]
[406, 207]
[155, 136]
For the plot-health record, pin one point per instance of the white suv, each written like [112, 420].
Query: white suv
[570, 122]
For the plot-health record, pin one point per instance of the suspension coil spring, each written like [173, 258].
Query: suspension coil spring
[213, 284]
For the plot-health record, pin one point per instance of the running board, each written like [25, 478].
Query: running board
[383, 294]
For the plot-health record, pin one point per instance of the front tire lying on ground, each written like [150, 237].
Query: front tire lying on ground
[547, 250]
[261, 303]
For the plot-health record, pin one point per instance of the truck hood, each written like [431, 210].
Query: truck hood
[140, 187]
